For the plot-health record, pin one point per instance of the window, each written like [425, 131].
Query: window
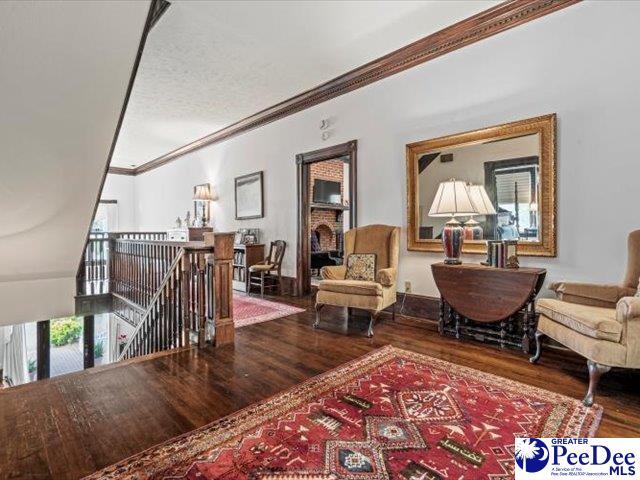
[106, 219]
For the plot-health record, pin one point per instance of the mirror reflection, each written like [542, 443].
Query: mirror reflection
[502, 179]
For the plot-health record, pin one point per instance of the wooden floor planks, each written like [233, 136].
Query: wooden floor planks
[72, 425]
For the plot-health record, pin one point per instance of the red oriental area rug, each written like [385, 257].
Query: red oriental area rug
[389, 414]
[249, 310]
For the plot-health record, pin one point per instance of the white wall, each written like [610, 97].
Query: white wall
[580, 62]
[64, 71]
[121, 188]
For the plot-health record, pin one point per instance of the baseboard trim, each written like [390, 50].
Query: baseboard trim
[421, 307]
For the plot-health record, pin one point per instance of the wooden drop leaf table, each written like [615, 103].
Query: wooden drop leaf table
[489, 304]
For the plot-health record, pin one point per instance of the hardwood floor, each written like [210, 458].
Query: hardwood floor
[70, 426]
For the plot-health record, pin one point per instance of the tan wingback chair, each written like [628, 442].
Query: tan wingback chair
[600, 322]
[334, 289]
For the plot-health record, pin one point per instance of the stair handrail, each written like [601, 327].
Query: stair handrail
[152, 303]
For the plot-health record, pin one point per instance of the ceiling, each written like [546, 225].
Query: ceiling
[207, 65]
[65, 68]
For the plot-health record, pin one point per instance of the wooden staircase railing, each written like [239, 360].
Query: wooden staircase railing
[162, 326]
[94, 271]
[173, 293]
[138, 268]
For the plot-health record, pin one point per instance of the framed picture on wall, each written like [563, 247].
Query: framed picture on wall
[249, 198]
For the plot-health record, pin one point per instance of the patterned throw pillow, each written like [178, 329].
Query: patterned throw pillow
[361, 266]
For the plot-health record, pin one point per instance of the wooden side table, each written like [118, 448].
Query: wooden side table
[489, 304]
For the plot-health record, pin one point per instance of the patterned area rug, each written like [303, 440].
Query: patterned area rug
[249, 310]
[389, 414]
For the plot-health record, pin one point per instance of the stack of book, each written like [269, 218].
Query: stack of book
[238, 266]
[502, 253]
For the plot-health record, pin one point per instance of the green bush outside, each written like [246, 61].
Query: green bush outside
[98, 349]
[65, 331]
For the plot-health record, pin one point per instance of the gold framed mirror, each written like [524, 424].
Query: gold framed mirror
[510, 173]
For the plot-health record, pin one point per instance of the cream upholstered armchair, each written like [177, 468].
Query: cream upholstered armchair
[372, 296]
[600, 322]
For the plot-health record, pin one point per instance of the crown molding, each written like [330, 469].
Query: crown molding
[504, 16]
[122, 171]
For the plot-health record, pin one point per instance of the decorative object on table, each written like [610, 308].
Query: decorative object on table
[599, 322]
[373, 296]
[254, 234]
[510, 252]
[190, 234]
[203, 195]
[472, 228]
[361, 266]
[240, 234]
[489, 304]
[249, 310]
[267, 274]
[502, 254]
[249, 196]
[461, 421]
[187, 220]
[178, 222]
[249, 239]
[452, 200]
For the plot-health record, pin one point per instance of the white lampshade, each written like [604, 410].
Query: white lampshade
[452, 200]
[203, 192]
[481, 200]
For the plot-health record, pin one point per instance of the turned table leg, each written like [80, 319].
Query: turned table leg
[536, 356]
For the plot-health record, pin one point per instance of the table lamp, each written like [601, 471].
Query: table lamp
[452, 200]
[472, 228]
[203, 194]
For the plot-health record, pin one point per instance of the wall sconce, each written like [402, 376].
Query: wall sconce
[203, 195]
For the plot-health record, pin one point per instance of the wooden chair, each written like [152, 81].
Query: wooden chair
[267, 274]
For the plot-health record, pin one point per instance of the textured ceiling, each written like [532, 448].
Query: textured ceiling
[209, 64]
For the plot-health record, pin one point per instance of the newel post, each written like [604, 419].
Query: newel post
[186, 298]
[223, 293]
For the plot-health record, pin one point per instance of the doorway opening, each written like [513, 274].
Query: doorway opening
[327, 207]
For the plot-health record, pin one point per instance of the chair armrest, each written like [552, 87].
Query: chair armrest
[337, 272]
[628, 308]
[386, 277]
[594, 294]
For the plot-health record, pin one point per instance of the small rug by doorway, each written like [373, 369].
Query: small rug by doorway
[389, 414]
[249, 310]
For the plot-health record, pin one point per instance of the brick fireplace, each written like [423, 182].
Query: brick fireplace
[326, 222]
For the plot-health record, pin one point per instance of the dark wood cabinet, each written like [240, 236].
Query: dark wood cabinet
[245, 256]
[489, 304]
